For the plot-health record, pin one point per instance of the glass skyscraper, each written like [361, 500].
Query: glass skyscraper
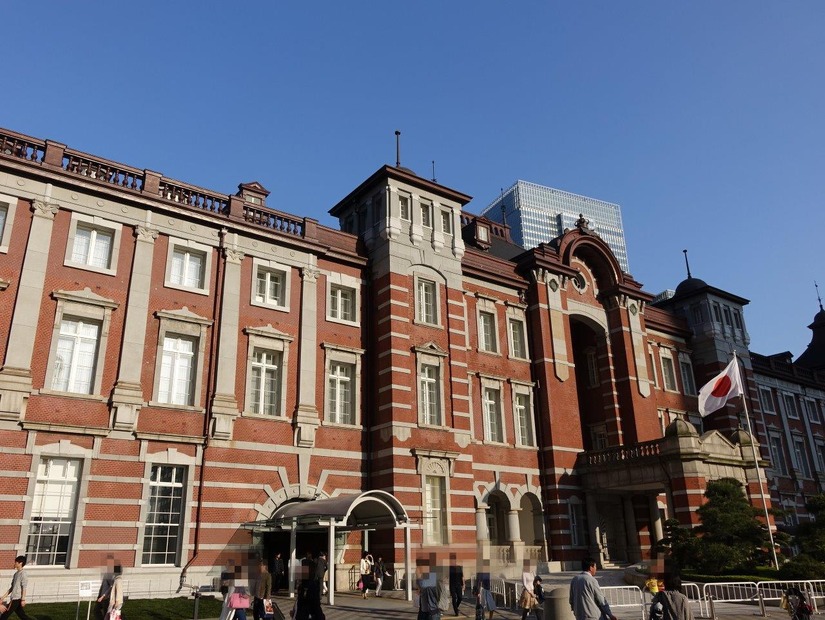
[536, 214]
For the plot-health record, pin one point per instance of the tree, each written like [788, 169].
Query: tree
[810, 536]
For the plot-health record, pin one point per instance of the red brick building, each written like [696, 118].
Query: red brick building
[187, 375]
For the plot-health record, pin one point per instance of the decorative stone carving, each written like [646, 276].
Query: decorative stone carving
[310, 274]
[144, 233]
[46, 209]
[233, 256]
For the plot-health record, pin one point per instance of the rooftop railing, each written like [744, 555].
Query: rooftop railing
[147, 183]
[624, 454]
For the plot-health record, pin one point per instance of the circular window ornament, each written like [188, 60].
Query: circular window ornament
[579, 282]
[553, 284]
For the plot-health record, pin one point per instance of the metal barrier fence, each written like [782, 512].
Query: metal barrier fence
[625, 596]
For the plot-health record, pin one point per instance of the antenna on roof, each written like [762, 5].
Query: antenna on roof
[687, 264]
[434, 181]
[817, 295]
[397, 149]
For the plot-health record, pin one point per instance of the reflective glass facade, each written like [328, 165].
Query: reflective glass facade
[536, 214]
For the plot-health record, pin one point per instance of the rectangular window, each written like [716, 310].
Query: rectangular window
[813, 411]
[404, 206]
[4, 212]
[592, 369]
[435, 510]
[492, 415]
[778, 455]
[737, 319]
[766, 400]
[523, 420]
[801, 457]
[53, 511]
[270, 287]
[92, 246]
[687, 378]
[487, 332]
[653, 376]
[518, 344]
[266, 382]
[447, 222]
[341, 409]
[341, 302]
[427, 302]
[697, 314]
[177, 375]
[668, 373]
[578, 532]
[426, 215]
[430, 405]
[161, 538]
[790, 406]
[74, 363]
[726, 314]
[188, 268]
[598, 435]
[717, 314]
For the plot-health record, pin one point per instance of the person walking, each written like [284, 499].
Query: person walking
[365, 569]
[105, 591]
[17, 591]
[115, 610]
[527, 600]
[278, 572]
[456, 583]
[429, 594]
[586, 598]
[379, 571]
[263, 590]
[669, 603]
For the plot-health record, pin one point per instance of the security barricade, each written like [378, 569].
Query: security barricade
[694, 595]
[629, 597]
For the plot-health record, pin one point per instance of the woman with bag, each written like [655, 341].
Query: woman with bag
[366, 572]
[527, 601]
[116, 595]
[669, 603]
[237, 599]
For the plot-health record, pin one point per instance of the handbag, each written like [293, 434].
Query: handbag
[239, 600]
[113, 614]
[360, 585]
[268, 610]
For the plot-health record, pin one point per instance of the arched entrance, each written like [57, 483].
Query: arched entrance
[370, 510]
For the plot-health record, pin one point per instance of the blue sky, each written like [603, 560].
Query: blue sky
[703, 119]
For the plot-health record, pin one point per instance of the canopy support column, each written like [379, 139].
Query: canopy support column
[331, 562]
[292, 558]
[408, 560]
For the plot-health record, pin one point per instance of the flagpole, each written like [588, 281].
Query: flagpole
[758, 470]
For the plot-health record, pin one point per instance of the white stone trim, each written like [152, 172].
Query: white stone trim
[271, 265]
[188, 244]
[271, 339]
[10, 204]
[98, 223]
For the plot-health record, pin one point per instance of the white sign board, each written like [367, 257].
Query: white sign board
[85, 588]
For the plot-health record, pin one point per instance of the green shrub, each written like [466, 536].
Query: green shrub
[802, 567]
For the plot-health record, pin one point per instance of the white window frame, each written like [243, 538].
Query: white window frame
[665, 354]
[430, 356]
[811, 410]
[270, 339]
[81, 305]
[426, 210]
[404, 205]
[791, 411]
[95, 224]
[167, 457]
[801, 461]
[189, 247]
[45, 486]
[517, 325]
[528, 424]
[164, 523]
[654, 375]
[78, 340]
[766, 398]
[9, 204]
[492, 404]
[334, 355]
[422, 317]
[486, 307]
[260, 265]
[340, 282]
[434, 511]
[447, 221]
[778, 463]
[686, 372]
[188, 325]
[578, 524]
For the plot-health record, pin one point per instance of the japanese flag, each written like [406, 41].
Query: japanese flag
[719, 390]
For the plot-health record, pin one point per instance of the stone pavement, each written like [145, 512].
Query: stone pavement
[392, 606]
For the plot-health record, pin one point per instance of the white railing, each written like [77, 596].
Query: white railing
[694, 595]
[47, 590]
[625, 596]
[731, 591]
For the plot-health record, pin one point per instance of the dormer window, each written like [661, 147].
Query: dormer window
[483, 233]
[255, 200]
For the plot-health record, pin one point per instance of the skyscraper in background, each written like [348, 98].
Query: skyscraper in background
[536, 214]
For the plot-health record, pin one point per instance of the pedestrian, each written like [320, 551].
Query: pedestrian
[379, 572]
[586, 598]
[321, 568]
[429, 594]
[527, 600]
[102, 601]
[365, 569]
[485, 601]
[115, 610]
[263, 591]
[278, 572]
[237, 598]
[17, 591]
[669, 603]
[456, 583]
[308, 595]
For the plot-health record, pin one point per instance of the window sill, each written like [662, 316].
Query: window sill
[333, 319]
[426, 324]
[268, 306]
[331, 424]
[104, 270]
[485, 351]
[159, 405]
[490, 442]
[189, 289]
[265, 416]
[437, 427]
[77, 395]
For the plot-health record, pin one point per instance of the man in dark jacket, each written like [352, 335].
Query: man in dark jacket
[456, 583]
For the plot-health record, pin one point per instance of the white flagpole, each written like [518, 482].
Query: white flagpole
[756, 464]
